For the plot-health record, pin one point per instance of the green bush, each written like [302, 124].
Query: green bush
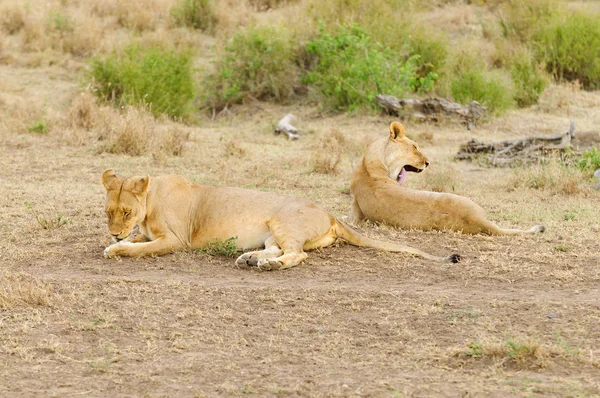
[162, 79]
[431, 49]
[528, 80]
[488, 88]
[570, 49]
[590, 160]
[350, 69]
[198, 14]
[259, 63]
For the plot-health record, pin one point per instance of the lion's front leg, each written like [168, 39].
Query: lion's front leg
[156, 247]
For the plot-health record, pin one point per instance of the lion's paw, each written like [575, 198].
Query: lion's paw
[247, 259]
[269, 265]
[110, 251]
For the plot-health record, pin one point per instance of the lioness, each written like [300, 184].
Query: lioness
[379, 194]
[175, 214]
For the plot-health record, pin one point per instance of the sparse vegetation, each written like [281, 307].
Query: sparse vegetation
[161, 79]
[346, 317]
[551, 175]
[48, 223]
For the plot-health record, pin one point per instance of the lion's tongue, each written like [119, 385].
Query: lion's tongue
[402, 176]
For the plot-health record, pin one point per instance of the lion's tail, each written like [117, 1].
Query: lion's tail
[345, 232]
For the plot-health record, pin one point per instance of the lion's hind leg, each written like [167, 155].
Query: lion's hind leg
[271, 250]
[488, 227]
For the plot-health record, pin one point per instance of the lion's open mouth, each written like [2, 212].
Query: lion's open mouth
[405, 169]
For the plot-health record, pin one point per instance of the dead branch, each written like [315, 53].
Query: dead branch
[505, 153]
[285, 126]
[431, 109]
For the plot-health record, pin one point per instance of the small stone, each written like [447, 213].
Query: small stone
[552, 316]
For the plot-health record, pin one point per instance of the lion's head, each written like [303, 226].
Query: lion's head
[403, 154]
[125, 202]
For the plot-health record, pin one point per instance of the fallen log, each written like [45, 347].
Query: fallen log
[524, 150]
[285, 126]
[431, 109]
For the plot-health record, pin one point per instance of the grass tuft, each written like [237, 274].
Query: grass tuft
[136, 132]
[23, 289]
[227, 248]
[39, 126]
[327, 153]
[48, 223]
[197, 14]
[513, 352]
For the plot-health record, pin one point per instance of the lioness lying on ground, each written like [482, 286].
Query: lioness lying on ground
[379, 194]
[174, 214]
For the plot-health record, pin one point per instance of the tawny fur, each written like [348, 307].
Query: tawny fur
[379, 197]
[174, 214]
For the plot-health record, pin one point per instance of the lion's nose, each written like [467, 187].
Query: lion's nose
[427, 163]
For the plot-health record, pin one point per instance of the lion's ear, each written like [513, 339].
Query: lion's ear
[140, 185]
[396, 131]
[108, 178]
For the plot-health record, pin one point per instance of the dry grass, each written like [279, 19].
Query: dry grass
[136, 132]
[23, 289]
[12, 17]
[327, 153]
[440, 179]
[552, 176]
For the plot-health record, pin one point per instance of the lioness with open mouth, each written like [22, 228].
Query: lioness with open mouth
[379, 195]
[174, 214]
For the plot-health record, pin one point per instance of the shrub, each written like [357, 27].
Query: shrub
[431, 49]
[528, 79]
[590, 160]
[160, 78]
[257, 64]
[350, 69]
[521, 19]
[571, 49]
[489, 88]
[198, 14]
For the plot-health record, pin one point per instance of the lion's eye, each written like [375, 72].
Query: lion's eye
[127, 213]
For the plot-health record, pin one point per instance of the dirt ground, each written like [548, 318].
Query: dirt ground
[518, 316]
